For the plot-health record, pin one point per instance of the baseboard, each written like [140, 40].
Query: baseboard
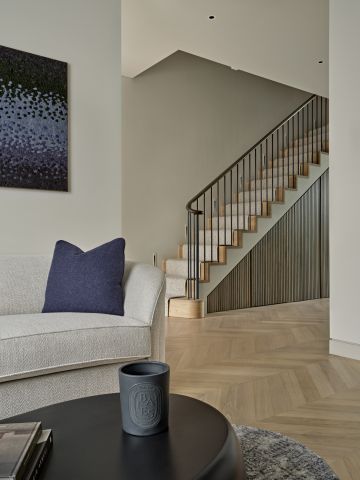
[345, 349]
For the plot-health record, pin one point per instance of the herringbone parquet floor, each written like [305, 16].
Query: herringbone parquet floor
[269, 367]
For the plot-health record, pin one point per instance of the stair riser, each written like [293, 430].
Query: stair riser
[304, 148]
[221, 237]
[176, 287]
[242, 224]
[218, 254]
[274, 181]
[177, 267]
[256, 195]
[306, 144]
[253, 209]
[302, 169]
[324, 130]
[237, 211]
[296, 160]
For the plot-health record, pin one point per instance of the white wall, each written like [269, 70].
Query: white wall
[344, 178]
[86, 34]
[184, 121]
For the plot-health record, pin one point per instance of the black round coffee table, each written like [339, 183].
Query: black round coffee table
[90, 444]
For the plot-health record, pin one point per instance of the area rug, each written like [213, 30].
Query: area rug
[272, 456]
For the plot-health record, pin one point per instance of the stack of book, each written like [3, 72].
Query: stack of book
[23, 450]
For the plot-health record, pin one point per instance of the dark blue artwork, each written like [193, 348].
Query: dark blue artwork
[33, 121]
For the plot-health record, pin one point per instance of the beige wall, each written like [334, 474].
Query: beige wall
[344, 178]
[86, 34]
[184, 121]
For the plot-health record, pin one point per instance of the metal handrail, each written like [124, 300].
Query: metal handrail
[219, 177]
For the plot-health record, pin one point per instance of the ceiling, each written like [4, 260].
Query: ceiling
[282, 40]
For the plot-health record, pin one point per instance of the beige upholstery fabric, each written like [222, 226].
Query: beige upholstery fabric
[39, 343]
[158, 329]
[23, 281]
[142, 286]
[35, 392]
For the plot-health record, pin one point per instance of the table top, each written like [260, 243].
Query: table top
[89, 443]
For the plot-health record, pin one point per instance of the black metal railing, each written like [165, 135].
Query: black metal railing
[231, 203]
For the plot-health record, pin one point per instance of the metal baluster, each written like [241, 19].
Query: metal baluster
[298, 141]
[243, 189]
[272, 167]
[204, 234]
[249, 183]
[283, 154]
[197, 255]
[231, 207]
[189, 283]
[326, 124]
[312, 131]
[261, 174]
[317, 126]
[267, 171]
[277, 157]
[321, 123]
[196, 245]
[303, 138]
[308, 132]
[225, 208]
[293, 148]
[211, 216]
[288, 149]
[237, 196]
[255, 184]
[218, 218]
[193, 259]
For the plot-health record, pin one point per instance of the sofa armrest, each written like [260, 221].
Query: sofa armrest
[143, 285]
[144, 288]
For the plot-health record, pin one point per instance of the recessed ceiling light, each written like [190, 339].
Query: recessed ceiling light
[211, 17]
[321, 61]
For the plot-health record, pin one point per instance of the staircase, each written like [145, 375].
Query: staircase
[230, 215]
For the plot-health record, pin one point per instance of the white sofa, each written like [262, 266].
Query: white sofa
[47, 358]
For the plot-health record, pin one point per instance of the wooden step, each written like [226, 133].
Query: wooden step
[184, 307]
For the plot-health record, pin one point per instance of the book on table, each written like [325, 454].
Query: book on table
[23, 450]
[41, 451]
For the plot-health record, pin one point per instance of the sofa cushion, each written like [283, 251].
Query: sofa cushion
[86, 281]
[37, 344]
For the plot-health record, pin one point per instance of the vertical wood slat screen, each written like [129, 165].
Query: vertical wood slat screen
[289, 264]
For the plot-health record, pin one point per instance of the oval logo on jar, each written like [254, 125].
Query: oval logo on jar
[145, 400]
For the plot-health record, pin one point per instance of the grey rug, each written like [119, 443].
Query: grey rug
[272, 456]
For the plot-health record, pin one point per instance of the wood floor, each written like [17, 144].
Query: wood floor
[269, 367]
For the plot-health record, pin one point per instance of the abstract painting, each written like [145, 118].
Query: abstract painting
[33, 121]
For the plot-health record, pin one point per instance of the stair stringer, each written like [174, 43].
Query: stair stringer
[264, 224]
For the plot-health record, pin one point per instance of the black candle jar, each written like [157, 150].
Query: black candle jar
[144, 397]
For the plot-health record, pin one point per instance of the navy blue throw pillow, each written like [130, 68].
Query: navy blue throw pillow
[88, 282]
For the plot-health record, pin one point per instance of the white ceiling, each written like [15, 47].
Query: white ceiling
[282, 40]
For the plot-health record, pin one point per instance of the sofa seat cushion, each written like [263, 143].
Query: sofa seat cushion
[35, 344]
